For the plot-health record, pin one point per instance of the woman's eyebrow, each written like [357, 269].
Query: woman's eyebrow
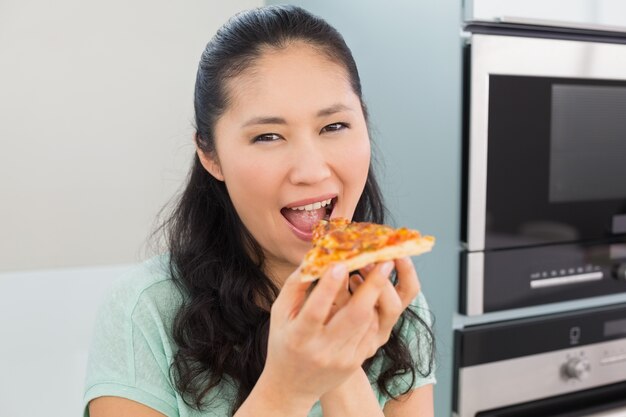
[335, 108]
[265, 120]
[274, 120]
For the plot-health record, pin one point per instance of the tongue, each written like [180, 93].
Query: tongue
[304, 220]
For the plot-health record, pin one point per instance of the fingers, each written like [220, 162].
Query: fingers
[366, 269]
[360, 309]
[341, 299]
[355, 281]
[374, 298]
[408, 285]
[392, 300]
[368, 292]
[319, 304]
[291, 297]
[369, 344]
[390, 308]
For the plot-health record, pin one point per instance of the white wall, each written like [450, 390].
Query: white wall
[95, 136]
[95, 122]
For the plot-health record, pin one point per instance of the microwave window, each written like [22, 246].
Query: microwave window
[588, 143]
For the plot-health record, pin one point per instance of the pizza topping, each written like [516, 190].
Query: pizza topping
[338, 239]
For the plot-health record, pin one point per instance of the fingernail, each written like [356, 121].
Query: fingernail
[386, 268]
[339, 271]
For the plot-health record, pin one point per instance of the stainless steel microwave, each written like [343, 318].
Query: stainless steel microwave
[545, 169]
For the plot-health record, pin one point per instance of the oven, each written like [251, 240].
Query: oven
[544, 165]
[562, 365]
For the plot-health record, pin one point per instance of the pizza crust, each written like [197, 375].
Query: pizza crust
[408, 248]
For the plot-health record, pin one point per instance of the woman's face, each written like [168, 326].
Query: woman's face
[292, 148]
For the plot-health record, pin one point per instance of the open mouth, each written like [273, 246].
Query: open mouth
[302, 219]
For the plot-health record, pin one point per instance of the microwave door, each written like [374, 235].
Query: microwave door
[556, 169]
[546, 142]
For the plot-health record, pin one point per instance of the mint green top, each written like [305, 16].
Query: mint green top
[132, 347]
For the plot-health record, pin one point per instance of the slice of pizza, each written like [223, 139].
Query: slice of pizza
[358, 244]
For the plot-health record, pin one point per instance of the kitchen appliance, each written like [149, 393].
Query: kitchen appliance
[545, 165]
[561, 365]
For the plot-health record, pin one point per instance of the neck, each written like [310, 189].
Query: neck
[278, 271]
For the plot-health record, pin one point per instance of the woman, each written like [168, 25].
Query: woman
[222, 325]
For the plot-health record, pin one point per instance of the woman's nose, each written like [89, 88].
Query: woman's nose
[309, 164]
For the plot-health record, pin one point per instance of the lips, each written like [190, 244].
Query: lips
[302, 216]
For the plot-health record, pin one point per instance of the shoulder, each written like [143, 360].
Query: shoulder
[419, 306]
[147, 284]
[416, 320]
[131, 347]
[149, 276]
[141, 304]
[420, 301]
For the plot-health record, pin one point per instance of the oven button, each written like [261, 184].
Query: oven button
[578, 368]
[619, 271]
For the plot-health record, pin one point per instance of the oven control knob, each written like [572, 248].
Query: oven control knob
[619, 272]
[578, 368]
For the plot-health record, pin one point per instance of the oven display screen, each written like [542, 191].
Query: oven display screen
[588, 143]
[615, 328]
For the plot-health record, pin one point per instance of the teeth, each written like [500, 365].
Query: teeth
[313, 206]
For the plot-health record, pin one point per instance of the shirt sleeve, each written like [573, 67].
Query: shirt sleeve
[127, 356]
[417, 335]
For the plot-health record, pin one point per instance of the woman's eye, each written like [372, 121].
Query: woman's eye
[333, 127]
[266, 137]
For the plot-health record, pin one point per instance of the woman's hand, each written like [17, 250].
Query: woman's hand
[393, 299]
[308, 352]
[340, 401]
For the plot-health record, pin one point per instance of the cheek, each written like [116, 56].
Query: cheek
[365, 153]
[249, 182]
[356, 164]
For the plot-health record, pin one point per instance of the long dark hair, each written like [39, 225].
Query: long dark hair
[221, 329]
